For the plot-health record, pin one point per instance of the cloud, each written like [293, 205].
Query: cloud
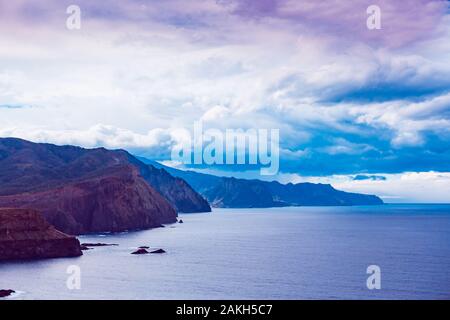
[360, 177]
[13, 106]
[346, 100]
[362, 75]
[412, 187]
[155, 143]
[409, 122]
[402, 22]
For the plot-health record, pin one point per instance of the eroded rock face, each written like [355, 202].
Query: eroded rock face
[91, 190]
[24, 234]
[31, 167]
[117, 200]
[177, 191]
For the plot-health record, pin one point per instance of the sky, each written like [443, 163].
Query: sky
[367, 110]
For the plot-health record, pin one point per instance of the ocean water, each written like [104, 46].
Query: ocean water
[280, 253]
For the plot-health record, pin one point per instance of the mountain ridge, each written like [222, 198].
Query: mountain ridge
[82, 190]
[58, 165]
[230, 192]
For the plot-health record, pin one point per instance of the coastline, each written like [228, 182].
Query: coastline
[258, 254]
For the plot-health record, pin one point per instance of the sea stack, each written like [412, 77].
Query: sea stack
[25, 234]
[6, 293]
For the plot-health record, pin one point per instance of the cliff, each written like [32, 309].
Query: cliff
[115, 201]
[179, 193]
[27, 166]
[239, 193]
[80, 190]
[24, 234]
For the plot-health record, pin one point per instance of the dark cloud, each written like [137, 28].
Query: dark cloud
[402, 21]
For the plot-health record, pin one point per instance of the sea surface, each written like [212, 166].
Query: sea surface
[280, 253]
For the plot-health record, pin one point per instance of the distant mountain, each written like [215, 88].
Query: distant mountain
[90, 190]
[227, 192]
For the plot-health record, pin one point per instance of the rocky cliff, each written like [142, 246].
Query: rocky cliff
[80, 190]
[27, 166]
[117, 200]
[177, 191]
[24, 234]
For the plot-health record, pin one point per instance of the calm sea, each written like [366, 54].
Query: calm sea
[282, 253]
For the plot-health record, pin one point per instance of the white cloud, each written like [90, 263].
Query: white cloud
[99, 135]
[342, 146]
[433, 187]
[142, 84]
[407, 120]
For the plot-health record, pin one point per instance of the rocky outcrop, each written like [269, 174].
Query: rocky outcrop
[24, 234]
[99, 244]
[6, 293]
[158, 251]
[143, 250]
[117, 200]
[140, 251]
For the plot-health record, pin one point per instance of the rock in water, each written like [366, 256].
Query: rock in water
[90, 246]
[140, 251]
[159, 251]
[99, 244]
[6, 293]
[24, 234]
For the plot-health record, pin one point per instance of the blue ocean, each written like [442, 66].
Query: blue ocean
[277, 253]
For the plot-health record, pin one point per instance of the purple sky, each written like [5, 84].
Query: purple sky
[403, 21]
